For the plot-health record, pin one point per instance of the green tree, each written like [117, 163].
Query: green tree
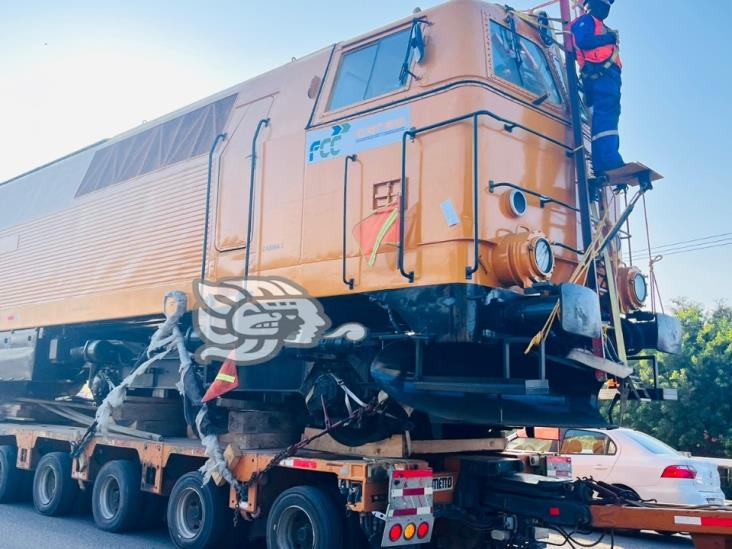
[701, 420]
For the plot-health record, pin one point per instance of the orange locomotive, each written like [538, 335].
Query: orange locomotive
[419, 180]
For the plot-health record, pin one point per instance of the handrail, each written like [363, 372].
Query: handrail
[207, 215]
[543, 198]
[350, 158]
[261, 124]
[508, 126]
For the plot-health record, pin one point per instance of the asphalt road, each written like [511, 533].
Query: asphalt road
[21, 527]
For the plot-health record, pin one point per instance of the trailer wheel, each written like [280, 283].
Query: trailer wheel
[54, 491]
[304, 516]
[198, 513]
[116, 499]
[11, 479]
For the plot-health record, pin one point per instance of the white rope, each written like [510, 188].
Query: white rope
[167, 338]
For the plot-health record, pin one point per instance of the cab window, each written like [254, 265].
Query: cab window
[587, 442]
[370, 71]
[523, 63]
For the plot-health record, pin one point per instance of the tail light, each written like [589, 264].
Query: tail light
[422, 530]
[679, 471]
[395, 532]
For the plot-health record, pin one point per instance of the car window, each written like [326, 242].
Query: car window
[370, 71]
[587, 442]
[522, 444]
[522, 62]
[651, 444]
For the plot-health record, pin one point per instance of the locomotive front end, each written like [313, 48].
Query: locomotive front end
[507, 316]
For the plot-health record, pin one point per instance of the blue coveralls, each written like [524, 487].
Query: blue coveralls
[603, 95]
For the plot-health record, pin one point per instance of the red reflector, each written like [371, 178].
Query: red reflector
[395, 532]
[404, 512]
[415, 473]
[554, 511]
[304, 464]
[717, 521]
[679, 471]
[413, 492]
[422, 530]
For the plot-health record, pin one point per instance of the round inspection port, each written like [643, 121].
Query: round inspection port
[517, 202]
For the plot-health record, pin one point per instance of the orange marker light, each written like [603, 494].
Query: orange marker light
[409, 531]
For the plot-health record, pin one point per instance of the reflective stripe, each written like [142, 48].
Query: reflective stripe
[609, 133]
[225, 377]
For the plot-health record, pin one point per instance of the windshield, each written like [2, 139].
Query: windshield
[371, 71]
[522, 62]
[651, 444]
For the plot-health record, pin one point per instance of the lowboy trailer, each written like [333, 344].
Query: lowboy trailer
[446, 497]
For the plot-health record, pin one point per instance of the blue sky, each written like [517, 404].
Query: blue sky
[76, 72]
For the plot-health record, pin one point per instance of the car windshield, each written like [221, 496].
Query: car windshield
[522, 62]
[521, 444]
[651, 444]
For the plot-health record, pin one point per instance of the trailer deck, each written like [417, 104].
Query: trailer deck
[398, 491]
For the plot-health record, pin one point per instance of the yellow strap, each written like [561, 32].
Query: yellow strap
[579, 274]
[382, 234]
[225, 377]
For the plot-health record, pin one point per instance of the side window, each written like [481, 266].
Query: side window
[522, 62]
[587, 442]
[370, 71]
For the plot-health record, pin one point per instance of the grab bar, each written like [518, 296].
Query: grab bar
[207, 215]
[347, 281]
[508, 126]
[261, 124]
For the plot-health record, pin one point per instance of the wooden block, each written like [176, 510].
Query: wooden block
[164, 428]
[162, 412]
[397, 446]
[217, 478]
[392, 447]
[257, 421]
[452, 446]
[232, 454]
[260, 441]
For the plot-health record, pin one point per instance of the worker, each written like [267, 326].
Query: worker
[598, 57]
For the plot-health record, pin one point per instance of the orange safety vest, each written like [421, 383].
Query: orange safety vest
[603, 54]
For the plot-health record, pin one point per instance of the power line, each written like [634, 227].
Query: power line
[675, 244]
[666, 251]
[696, 247]
[699, 248]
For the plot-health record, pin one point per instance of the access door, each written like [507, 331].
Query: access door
[235, 172]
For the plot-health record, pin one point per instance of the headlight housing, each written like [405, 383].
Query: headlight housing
[632, 288]
[523, 259]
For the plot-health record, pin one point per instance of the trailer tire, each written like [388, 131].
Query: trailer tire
[305, 511]
[11, 478]
[54, 491]
[198, 513]
[117, 500]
